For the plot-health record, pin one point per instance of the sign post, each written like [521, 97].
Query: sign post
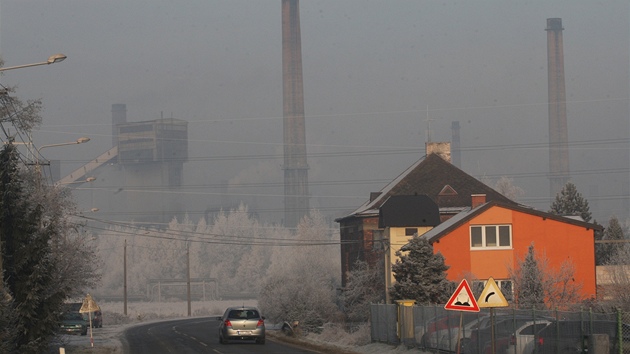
[89, 306]
[492, 297]
[462, 300]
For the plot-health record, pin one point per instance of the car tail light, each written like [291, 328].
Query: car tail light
[540, 342]
[512, 340]
[260, 323]
[228, 323]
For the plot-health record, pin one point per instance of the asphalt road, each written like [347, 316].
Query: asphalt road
[197, 335]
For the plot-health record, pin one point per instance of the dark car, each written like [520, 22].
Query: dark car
[242, 323]
[73, 323]
[97, 318]
[571, 336]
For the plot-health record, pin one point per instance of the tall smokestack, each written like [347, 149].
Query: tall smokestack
[119, 116]
[296, 203]
[456, 153]
[558, 132]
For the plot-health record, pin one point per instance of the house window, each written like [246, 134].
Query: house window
[491, 236]
[506, 287]
[410, 231]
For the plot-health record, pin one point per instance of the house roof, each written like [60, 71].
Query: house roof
[407, 211]
[448, 186]
[449, 225]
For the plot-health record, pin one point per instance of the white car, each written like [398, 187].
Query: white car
[448, 338]
[522, 341]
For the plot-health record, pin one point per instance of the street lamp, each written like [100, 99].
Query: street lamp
[39, 149]
[55, 58]
[89, 179]
[78, 141]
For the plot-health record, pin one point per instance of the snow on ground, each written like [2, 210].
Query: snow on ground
[107, 340]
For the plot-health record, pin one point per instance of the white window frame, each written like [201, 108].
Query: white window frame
[505, 285]
[484, 245]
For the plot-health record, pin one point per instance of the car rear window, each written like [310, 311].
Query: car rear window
[243, 314]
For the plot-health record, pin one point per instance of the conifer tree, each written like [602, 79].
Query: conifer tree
[420, 275]
[604, 252]
[528, 282]
[570, 202]
[27, 264]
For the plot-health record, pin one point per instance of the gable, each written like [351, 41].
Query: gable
[443, 182]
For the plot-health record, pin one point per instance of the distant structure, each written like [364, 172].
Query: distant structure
[149, 157]
[119, 116]
[296, 203]
[558, 132]
[456, 155]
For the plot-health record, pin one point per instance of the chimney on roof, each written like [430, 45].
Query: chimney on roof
[477, 200]
[443, 150]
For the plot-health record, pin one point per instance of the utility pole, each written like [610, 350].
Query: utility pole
[125, 276]
[188, 277]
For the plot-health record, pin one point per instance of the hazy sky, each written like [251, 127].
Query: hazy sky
[373, 72]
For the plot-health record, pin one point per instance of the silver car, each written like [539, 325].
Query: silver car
[242, 323]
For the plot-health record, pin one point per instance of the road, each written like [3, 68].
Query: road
[197, 335]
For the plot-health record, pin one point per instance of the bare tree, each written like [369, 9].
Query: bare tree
[364, 287]
[537, 284]
[616, 279]
[505, 186]
[303, 279]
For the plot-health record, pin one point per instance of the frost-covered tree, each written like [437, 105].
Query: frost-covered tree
[537, 284]
[570, 202]
[304, 276]
[27, 261]
[528, 282]
[616, 293]
[364, 287]
[505, 186]
[420, 275]
[606, 250]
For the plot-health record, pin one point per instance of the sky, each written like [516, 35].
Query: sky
[380, 78]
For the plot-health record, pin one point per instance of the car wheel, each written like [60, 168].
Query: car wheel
[221, 340]
[260, 340]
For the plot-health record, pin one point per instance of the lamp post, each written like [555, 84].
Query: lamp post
[39, 149]
[55, 58]
[89, 179]
[78, 141]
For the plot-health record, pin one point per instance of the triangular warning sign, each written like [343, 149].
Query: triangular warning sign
[89, 305]
[462, 299]
[491, 296]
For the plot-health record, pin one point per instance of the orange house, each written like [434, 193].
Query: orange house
[488, 239]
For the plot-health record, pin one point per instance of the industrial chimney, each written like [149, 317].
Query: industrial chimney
[296, 203]
[456, 154]
[558, 132]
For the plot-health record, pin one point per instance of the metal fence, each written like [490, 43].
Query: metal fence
[503, 331]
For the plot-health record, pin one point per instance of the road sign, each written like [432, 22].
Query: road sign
[89, 305]
[462, 299]
[491, 296]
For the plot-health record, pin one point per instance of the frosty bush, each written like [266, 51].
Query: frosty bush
[303, 279]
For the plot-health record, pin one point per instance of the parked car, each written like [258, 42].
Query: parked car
[97, 318]
[450, 337]
[571, 336]
[435, 329]
[73, 323]
[242, 323]
[522, 340]
[480, 340]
